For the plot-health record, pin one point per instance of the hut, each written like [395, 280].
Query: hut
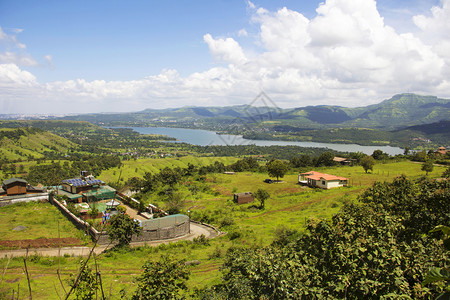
[241, 198]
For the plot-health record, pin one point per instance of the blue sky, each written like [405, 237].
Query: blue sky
[132, 55]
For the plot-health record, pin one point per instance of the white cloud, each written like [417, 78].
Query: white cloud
[12, 76]
[18, 59]
[346, 55]
[225, 50]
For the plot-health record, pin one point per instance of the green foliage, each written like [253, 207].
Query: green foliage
[367, 163]
[379, 155]
[163, 279]
[87, 285]
[262, 196]
[277, 168]
[121, 229]
[428, 166]
[201, 240]
[376, 249]
[420, 156]
[169, 176]
[325, 159]
[446, 173]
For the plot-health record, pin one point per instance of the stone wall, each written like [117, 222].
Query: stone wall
[9, 200]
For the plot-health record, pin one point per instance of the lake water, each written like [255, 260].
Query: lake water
[208, 138]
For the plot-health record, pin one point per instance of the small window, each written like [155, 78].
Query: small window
[323, 182]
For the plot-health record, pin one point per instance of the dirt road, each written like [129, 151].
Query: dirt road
[196, 230]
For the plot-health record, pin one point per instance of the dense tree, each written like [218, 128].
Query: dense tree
[121, 229]
[325, 159]
[169, 176]
[428, 166]
[446, 173]
[367, 163]
[379, 155]
[301, 161]
[277, 168]
[163, 279]
[420, 156]
[135, 184]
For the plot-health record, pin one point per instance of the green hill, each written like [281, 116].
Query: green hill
[26, 142]
[401, 110]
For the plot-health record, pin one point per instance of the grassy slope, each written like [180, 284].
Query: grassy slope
[33, 144]
[41, 220]
[289, 206]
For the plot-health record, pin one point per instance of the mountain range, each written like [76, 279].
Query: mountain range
[400, 111]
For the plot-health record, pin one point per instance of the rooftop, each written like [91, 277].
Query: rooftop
[318, 176]
[12, 180]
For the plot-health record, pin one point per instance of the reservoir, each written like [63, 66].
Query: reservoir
[209, 138]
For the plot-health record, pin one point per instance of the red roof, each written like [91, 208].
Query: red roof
[318, 176]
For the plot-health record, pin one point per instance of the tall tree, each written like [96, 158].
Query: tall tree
[262, 196]
[367, 163]
[277, 168]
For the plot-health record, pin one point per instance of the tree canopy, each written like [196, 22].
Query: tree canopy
[277, 168]
[121, 229]
[367, 163]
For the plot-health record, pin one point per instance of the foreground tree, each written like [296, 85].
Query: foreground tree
[367, 163]
[87, 285]
[163, 279]
[277, 168]
[121, 229]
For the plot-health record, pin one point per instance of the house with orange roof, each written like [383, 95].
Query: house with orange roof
[321, 180]
[441, 151]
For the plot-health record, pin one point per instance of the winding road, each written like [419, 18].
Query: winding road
[196, 230]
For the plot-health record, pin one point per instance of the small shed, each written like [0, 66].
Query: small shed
[241, 198]
[15, 186]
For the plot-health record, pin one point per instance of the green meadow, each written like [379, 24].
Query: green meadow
[42, 220]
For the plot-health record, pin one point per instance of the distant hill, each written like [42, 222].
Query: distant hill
[400, 111]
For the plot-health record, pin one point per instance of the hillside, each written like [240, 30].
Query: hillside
[399, 111]
[27, 143]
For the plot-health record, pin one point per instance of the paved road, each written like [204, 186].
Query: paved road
[196, 230]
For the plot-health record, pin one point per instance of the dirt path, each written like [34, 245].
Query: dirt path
[196, 230]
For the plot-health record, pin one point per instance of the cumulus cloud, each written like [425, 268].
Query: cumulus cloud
[225, 50]
[346, 55]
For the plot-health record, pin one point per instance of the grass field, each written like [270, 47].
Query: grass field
[289, 205]
[40, 219]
